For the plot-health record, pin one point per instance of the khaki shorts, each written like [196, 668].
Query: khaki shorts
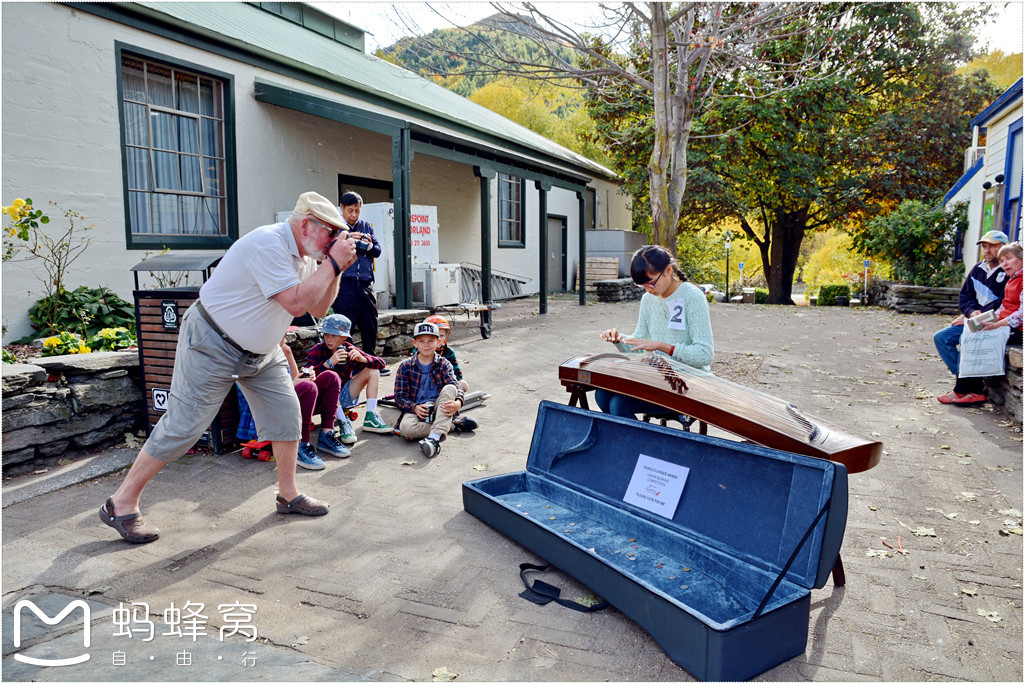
[203, 367]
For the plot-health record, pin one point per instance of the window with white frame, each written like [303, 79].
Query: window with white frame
[510, 211]
[173, 122]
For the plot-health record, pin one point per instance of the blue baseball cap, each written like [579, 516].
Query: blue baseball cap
[994, 237]
[337, 324]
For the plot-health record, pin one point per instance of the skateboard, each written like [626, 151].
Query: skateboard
[474, 399]
[257, 449]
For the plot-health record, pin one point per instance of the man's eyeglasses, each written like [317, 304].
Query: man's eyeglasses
[329, 228]
[652, 283]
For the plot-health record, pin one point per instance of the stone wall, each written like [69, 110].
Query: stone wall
[914, 299]
[622, 289]
[63, 406]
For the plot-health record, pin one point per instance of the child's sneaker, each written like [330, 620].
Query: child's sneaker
[308, 458]
[347, 434]
[461, 424]
[329, 443]
[430, 447]
[374, 423]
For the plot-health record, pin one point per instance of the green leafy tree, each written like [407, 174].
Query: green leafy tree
[917, 240]
[678, 57]
[832, 152]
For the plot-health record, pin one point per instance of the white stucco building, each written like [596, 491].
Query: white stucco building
[991, 184]
[184, 125]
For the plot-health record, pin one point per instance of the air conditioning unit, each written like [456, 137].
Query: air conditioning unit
[436, 284]
[971, 156]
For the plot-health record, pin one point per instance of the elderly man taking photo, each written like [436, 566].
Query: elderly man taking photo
[232, 334]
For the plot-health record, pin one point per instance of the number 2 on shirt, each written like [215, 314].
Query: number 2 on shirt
[677, 314]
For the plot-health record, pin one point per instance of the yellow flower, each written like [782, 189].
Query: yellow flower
[82, 348]
[12, 212]
[51, 341]
[19, 203]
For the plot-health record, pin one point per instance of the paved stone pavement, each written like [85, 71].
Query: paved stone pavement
[398, 581]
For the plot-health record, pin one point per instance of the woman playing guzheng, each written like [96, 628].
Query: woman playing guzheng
[674, 321]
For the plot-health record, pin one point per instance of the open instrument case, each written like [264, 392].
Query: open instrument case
[721, 578]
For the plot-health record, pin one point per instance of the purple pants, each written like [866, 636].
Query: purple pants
[320, 394]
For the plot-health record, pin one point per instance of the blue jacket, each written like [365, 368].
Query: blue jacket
[362, 269]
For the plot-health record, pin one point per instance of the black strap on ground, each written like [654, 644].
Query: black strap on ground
[542, 592]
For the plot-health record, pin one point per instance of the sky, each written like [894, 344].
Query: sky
[387, 22]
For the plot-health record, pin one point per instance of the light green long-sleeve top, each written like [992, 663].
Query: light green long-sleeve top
[695, 345]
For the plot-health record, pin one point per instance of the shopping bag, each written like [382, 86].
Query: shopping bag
[983, 353]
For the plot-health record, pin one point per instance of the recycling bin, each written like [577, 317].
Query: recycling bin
[157, 319]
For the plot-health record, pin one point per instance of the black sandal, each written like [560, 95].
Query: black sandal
[132, 527]
[302, 505]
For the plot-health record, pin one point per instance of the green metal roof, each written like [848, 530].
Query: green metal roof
[247, 28]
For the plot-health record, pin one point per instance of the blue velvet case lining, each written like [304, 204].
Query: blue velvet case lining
[743, 511]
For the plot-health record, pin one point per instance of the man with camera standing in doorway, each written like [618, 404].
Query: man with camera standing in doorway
[356, 299]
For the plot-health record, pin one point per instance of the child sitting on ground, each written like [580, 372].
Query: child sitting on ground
[427, 392]
[460, 423]
[357, 370]
[315, 395]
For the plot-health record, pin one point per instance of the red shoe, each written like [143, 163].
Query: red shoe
[968, 399]
[949, 397]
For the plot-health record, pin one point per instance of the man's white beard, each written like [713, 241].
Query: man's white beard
[309, 246]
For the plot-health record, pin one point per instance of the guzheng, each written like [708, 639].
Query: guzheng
[745, 412]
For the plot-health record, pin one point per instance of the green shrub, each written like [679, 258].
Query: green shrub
[112, 339]
[760, 295]
[918, 239]
[9, 357]
[828, 293]
[85, 311]
[63, 344]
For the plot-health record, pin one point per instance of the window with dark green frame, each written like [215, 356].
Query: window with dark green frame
[511, 232]
[175, 155]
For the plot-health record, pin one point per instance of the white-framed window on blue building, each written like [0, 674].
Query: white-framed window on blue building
[178, 150]
[511, 220]
[1011, 212]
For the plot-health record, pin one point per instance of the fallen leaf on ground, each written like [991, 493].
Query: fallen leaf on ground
[968, 591]
[480, 468]
[443, 674]
[922, 531]
[1014, 530]
[990, 615]
[1011, 512]
[967, 497]
[874, 552]
[588, 601]
[301, 641]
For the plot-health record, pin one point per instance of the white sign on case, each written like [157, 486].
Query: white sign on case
[656, 485]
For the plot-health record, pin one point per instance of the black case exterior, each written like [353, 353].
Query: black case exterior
[738, 647]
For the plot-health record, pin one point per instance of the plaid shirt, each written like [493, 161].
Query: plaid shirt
[407, 381]
[347, 370]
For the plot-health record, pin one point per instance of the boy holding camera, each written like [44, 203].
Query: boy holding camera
[427, 392]
[357, 371]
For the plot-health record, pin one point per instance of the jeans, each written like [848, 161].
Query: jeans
[625, 406]
[320, 393]
[947, 343]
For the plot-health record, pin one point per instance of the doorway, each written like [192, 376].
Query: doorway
[558, 237]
